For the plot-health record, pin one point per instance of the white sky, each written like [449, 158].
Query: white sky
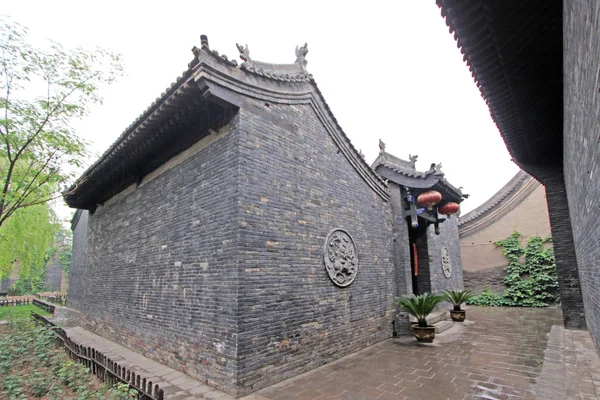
[388, 69]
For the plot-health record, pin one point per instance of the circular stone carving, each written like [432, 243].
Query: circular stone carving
[446, 265]
[341, 258]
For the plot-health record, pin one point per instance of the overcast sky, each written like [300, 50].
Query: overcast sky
[388, 69]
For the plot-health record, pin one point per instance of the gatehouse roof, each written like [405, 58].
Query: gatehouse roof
[404, 173]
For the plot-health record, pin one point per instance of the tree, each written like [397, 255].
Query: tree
[25, 240]
[41, 92]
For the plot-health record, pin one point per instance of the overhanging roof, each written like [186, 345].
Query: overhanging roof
[204, 98]
[404, 173]
[514, 51]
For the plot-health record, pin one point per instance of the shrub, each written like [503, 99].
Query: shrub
[420, 306]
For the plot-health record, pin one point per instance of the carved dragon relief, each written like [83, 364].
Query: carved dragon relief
[446, 264]
[341, 258]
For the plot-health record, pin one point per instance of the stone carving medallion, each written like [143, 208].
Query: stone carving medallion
[446, 265]
[341, 258]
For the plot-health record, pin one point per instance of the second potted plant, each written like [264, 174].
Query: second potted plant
[457, 297]
[420, 307]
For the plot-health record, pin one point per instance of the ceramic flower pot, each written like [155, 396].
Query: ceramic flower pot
[424, 334]
[458, 315]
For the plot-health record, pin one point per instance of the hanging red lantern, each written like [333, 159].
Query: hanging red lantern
[449, 208]
[429, 199]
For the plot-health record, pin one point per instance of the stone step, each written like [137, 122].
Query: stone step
[442, 326]
[434, 317]
[439, 319]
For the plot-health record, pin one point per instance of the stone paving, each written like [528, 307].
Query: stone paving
[498, 353]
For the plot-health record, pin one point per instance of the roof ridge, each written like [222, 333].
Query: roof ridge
[509, 188]
[293, 73]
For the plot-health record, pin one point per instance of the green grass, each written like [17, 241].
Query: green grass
[21, 311]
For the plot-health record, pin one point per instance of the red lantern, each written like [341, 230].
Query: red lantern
[449, 208]
[429, 199]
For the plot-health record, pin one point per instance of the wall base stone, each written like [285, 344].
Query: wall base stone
[492, 278]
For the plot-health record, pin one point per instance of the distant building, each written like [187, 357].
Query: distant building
[519, 206]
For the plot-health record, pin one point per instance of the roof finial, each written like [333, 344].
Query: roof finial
[436, 168]
[381, 147]
[301, 53]
[413, 160]
[244, 52]
[204, 41]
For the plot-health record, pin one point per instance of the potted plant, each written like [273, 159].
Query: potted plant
[457, 297]
[420, 307]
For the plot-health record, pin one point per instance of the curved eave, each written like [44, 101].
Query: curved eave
[514, 52]
[500, 204]
[204, 98]
[449, 192]
[268, 84]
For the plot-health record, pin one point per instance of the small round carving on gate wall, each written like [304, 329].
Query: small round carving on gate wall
[341, 257]
[446, 265]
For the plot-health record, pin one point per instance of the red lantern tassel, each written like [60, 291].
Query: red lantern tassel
[415, 258]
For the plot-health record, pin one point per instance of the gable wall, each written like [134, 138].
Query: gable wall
[295, 187]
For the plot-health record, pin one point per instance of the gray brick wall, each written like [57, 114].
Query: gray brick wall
[564, 250]
[491, 278]
[581, 27]
[53, 277]
[448, 238]
[401, 254]
[160, 266]
[401, 248]
[295, 187]
[215, 267]
[77, 271]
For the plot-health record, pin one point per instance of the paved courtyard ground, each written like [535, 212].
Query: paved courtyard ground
[499, 353]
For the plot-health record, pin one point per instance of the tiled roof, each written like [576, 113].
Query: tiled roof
[407, 169]
[502, 202]
[142, 135]
[514, 52]
[399, 165]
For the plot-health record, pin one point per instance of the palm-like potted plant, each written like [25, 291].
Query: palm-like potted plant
[420, 307]
[457, 297]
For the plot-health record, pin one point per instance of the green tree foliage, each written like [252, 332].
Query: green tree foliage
[64, 257]
[25, 241]
[41, 92]
[530, 274]
[531, 283]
